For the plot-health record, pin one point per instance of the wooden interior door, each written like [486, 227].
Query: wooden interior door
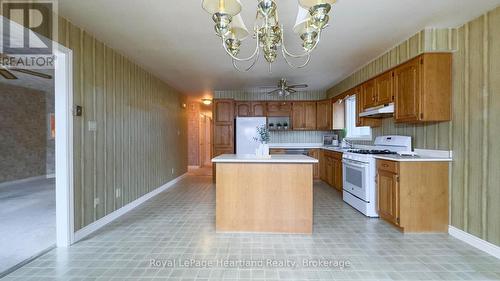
[385, 87]
[407, 91]
[388, 196]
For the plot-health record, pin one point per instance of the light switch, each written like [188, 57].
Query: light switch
[92, 126]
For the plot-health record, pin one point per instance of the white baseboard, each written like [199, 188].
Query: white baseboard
[474, 241]
[7, 183]
[91, 228]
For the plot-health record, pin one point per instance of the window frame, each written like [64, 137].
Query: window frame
[350, 121]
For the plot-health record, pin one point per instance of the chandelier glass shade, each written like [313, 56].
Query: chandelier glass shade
[312, 18]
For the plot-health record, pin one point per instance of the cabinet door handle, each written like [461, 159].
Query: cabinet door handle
[385, 165]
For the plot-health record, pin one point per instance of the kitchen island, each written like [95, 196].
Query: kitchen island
[268, 195]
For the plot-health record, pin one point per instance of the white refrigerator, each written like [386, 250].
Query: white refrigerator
[246, 131]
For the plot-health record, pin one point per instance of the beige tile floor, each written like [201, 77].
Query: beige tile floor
[179, 225]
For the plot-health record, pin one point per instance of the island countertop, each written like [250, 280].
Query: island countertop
[250, 158]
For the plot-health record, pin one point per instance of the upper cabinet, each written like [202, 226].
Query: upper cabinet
[360, 102]
[385, 88]
[324, 115]
[369, 94]
[250, 109]
[279, 108]
[304, 116]
[422, 89]
[242, 109]
[258, 109]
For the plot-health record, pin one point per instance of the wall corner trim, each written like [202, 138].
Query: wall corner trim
[93, 227]
[474, 241]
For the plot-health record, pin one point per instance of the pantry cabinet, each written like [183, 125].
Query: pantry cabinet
[413, 196]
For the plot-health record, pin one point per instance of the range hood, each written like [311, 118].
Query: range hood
[379, 111]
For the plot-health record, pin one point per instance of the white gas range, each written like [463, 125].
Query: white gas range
[359, 167]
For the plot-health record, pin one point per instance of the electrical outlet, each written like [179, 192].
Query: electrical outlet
[118, 193]
[96, 202]
[92, 126]
[172, 171]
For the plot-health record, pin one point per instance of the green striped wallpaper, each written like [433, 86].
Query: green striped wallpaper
[141, 137]
[475, 130]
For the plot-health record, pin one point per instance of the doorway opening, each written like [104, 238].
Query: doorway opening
[200, 139]
[36, 145]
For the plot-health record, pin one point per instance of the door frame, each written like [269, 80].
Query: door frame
[63, 86]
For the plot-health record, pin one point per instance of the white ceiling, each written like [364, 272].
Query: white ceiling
[175, 39]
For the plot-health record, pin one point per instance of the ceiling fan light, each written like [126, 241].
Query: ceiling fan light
[307, 4]
[230, 7]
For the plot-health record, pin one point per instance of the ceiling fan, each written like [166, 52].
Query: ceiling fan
[7, 72]
[284, 90]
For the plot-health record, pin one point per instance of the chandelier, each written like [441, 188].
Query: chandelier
[312, 18]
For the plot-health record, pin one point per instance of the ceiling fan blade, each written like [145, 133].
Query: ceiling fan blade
[290, 90]
[34, 73]
[273, 92]
[267, 87]
[7, 74]
[299, 86]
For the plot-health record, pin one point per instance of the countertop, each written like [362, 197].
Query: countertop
[423, 155]
[307, 146]
[250, 158]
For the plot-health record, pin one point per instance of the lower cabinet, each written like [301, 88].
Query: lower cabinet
[413, 195]
[330, 168]
[314, 153]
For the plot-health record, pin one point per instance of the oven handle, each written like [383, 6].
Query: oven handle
[355, 164]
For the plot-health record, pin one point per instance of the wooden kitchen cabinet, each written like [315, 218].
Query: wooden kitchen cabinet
[363, 121]
[330, 168]
[279, 109]
[315, 153]
[324, 115]
[223, 111]
[385, 88]
[369, 94]
[243, 109]
[304, 116]
[387, 196]
[422, 89]
[413, 195]
[223, 129]
[258, 109]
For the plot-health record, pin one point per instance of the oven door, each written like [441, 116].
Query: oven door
[356, 178]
